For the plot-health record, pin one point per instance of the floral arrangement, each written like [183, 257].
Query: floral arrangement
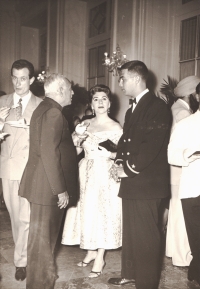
[115, 61]
[42, 76]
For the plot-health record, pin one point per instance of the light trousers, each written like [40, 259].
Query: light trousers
[177, 244]
[19, 211]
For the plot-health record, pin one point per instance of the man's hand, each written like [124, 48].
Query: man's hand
[120, 172]
[117, 172]
[63, 200]
[102, 152]
[2, 135]
[4, 112]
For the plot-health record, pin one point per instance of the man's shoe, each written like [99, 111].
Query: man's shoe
[193, 276]
[20, 273]
[121, 281]
[195, 280]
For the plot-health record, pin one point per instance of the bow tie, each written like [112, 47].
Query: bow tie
[131, 101]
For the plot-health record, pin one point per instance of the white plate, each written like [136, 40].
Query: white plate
[12, 122]
[20, 122]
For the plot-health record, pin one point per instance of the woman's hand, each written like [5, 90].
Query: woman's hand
[81, 129]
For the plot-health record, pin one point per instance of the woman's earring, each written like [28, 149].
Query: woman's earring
[109, 110]
[93, 111]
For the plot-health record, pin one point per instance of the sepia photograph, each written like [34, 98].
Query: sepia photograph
[99, 153]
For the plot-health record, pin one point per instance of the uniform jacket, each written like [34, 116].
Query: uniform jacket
[52, 165]
[15, 147]
[142, 150]
[179, 112]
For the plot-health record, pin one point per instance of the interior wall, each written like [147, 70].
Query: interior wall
[67, 39]
[185, 11]
[149, 30]
[9, 42]
[52, 36]
[30, 45]
[74, 53]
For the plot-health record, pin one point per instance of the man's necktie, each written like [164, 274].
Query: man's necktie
[131, 101]
[18, 109]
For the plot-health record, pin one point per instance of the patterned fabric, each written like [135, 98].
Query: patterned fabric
[96, 221]
[18, 109]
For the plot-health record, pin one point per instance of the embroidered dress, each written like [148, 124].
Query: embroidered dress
[96, 220]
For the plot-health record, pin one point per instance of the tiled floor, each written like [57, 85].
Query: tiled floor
[73, 277]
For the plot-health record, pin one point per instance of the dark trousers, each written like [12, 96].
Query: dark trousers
[141, 242]
[191, 212]
[45, 224]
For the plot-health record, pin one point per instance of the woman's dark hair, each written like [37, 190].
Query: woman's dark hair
[2, 93]
[88, 109]
[99, 88]
[22, 63]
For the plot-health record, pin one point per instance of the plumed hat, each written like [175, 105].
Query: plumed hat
[187, 86]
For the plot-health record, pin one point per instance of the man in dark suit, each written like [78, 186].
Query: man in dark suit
[144, 173]
[50, 180]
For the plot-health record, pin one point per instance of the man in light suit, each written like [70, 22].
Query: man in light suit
[14, 156]
[50, 180]
[177, 245]
[144, 173]
[184, 150]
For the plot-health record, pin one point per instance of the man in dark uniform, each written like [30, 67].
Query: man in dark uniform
[144, 173]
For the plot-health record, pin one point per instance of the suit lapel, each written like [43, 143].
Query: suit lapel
[9, 103]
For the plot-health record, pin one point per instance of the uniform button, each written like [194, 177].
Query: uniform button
[128, 153]
[124, 140]
[122, 153]
[129, 139]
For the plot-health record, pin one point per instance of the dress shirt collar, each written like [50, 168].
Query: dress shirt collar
[184, 103]
[25, 99]
[138, 97]
[197, 113]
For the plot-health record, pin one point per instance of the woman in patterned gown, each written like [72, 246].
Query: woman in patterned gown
[95, 223]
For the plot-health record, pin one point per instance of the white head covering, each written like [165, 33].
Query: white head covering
[187, 86]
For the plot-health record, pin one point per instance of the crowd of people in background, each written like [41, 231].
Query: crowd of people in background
[112, 180]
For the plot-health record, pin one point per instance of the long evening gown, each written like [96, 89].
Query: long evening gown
[96, 220]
